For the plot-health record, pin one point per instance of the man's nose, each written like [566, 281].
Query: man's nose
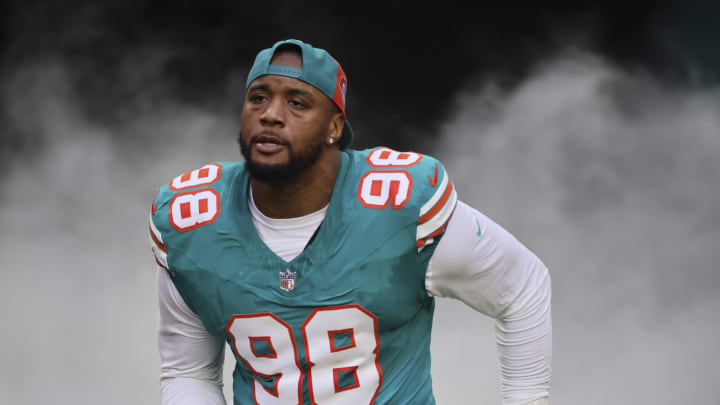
[273, 113]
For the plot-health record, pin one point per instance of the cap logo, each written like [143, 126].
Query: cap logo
[282, 70]
[343, 88]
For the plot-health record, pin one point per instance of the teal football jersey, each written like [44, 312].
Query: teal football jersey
[348, 321]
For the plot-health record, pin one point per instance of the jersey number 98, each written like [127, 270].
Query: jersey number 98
[341, 345]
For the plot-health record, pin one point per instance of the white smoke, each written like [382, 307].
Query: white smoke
[609, 176]
[78, 282]
[613, 179]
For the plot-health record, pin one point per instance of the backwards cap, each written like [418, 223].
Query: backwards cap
[319, 70]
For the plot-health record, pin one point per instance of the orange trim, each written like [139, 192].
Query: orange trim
[435, 233]
[278, 376]
[157, 242]
[438, 231]
[203, 206]
[266, 339]
[437, 207]
[160, 264]
[197, 224]
[203, 170]
[331, 334]
[375, 351]
[154, 207]
[185, 210]
[340, 89]
[338, 370]
[393, 189]
[376, 188]
[384, 153]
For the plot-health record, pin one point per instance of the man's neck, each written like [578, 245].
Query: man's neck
[308, 193]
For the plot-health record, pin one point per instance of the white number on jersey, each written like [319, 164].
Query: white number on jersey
[203, 176]
[386, 157]
[341, 347]
[378, 188]
[282, 361]
[328, 361]
[192, 209]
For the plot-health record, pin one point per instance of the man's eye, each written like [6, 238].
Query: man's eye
[257, 98]
[296, 103]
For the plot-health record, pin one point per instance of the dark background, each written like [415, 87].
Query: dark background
[403, 60]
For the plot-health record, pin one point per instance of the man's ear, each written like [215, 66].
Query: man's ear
[335, 127]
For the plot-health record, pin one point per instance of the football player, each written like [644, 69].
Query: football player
[318, 265]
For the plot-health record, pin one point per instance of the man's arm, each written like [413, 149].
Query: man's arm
[481, 264]
[191, 358]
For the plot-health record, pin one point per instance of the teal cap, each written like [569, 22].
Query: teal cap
[319, 70]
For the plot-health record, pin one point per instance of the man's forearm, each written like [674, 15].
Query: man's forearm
[190, 391]
[481, 264]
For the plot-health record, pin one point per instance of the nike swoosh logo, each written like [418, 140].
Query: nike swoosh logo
[479, 233]
[433, 180]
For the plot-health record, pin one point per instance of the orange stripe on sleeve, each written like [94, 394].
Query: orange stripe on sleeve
[157, 242]
[160, 264]
[435, 233]
[437, 207]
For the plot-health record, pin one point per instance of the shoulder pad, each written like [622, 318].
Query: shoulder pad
[186, 202]
[184, 187]
[421, 183]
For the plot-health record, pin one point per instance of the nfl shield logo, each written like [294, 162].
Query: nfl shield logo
[287, 280]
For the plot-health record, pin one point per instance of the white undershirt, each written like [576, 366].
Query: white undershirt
[492, 273]
[286, 237]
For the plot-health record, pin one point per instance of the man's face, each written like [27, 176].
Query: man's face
[285, 124]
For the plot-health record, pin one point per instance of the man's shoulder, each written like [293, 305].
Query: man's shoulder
[383, 157]
[413, 178]
[211, 175]
[200, 190]
[416, 185]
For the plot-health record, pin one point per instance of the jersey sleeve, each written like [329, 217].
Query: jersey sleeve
[157, 246]
[191, 359]
[484, 266]
[438, 199]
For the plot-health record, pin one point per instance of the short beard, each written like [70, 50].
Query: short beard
[280, 174]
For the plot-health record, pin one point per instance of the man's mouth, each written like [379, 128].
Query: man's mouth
[268, 147]
[268, 143]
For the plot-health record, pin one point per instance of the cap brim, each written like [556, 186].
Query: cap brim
[347, 136]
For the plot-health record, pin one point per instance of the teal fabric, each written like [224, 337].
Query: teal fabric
[319, 68]
[364, 256]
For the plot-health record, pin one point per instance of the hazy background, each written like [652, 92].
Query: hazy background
[591, 132]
